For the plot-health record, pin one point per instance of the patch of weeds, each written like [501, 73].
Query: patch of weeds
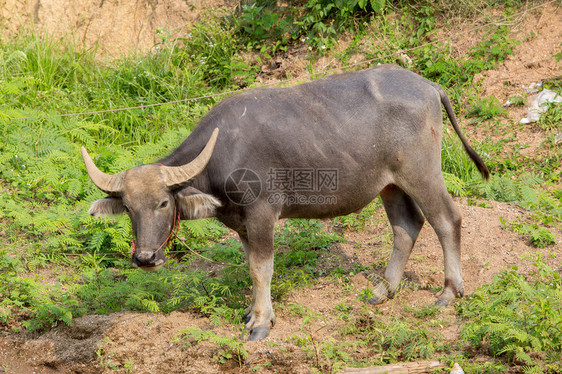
[539, 236]
[423, 312]
[321, 21]
[482, 204]
[129, 365]
[357, 221]
[518, 317]
[227, 252]
[487, 108]
[489, 366]
[305, 241]
[257, 23]
[425, 19]
[552, 118]
[212, 51]
[259, 367]
[366, 294]
[43, 305]
[97, 289]
[391, 339]
[303, 234]
[435, 61]
[403, 340]
[525, 190]
[230, 348]
[297, 310]
[517, 100]
[286, 280]
[103, 355]
[496, 46]
[459, 172]
[329, 355]
[343, 311]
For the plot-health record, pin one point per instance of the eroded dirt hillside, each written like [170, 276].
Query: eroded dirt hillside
[116, 27]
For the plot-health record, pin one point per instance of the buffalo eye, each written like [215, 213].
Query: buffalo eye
[164, 204]
[126, 208]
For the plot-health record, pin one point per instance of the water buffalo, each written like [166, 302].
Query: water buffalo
[320, 149]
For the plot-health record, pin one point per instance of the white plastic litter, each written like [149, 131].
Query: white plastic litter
[457, 369]
[533, 87]
[539, 105]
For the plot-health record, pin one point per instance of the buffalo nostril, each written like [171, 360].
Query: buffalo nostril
[146, 258]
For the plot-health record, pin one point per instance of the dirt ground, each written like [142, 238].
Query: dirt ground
[114, 27]
[146, 343]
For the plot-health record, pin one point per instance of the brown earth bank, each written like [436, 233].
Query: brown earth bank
[147, 343]
[115, 27]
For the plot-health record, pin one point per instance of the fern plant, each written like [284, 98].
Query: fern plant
[518, 316]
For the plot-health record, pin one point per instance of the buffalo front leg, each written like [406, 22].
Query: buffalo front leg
[258, 244]
[406, 221]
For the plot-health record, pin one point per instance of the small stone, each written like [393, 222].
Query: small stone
[457, 369]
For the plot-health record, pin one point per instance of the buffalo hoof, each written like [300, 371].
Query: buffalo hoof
[442, 303]
[258, 333]
[376, 300]
[380, 294]
[447, 295]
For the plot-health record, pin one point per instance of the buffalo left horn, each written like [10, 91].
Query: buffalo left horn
[177, 176]
[108, 183]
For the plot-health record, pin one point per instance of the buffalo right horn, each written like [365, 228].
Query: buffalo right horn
[110, 184]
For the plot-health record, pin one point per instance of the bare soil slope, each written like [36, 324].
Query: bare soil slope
[115, 27]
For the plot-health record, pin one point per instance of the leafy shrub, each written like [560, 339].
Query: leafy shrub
[518, 316]
[258, 23]
[317, 22]
[212, 53]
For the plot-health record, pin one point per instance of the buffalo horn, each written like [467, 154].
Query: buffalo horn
[110, 184]
[177, 176]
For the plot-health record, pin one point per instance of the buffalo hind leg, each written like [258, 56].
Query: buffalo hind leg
[406, 221]
[444, 216]
[258, 244]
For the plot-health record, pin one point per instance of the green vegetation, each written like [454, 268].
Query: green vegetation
[518, 317]
[57, 263]
[230, 348]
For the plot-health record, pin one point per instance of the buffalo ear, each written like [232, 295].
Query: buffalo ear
[194, 204]
[108, 206]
